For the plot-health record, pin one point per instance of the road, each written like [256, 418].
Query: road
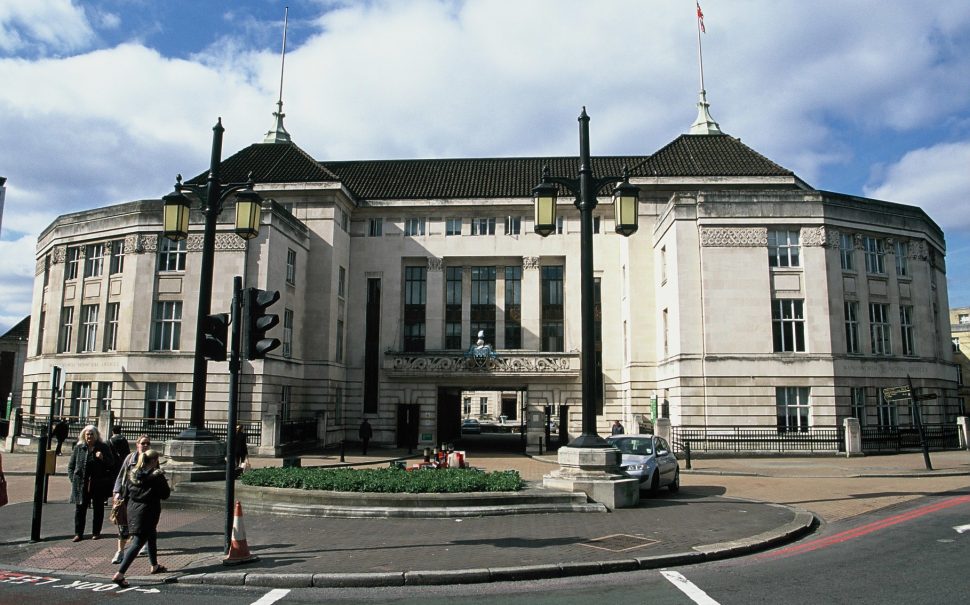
[916, 552]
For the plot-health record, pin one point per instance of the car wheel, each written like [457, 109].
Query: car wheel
[674, 486]
[655, 483]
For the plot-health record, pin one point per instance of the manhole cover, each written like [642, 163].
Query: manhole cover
[619, 542]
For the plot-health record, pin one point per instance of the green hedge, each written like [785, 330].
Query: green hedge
[386, 480]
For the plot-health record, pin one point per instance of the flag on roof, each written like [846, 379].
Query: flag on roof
[700, 17]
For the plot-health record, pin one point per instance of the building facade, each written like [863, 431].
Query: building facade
[746, 298]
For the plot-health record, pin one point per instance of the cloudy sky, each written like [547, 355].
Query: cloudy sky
[104, 101]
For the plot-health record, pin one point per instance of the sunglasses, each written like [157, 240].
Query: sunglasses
[144, 443]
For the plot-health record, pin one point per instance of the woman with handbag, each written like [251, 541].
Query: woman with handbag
[119, 504]
[147, 487]
[90, 472]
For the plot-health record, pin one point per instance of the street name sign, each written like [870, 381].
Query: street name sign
[896, 393]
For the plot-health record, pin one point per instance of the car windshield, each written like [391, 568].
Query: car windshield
[638, 447]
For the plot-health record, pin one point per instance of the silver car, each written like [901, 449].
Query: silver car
[649, 459]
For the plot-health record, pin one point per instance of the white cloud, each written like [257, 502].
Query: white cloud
[44, 27]
[934, 178]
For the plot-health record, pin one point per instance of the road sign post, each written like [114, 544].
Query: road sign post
[917, 414]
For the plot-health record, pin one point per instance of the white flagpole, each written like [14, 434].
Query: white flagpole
[700, 54]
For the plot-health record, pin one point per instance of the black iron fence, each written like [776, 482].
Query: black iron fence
[740, 440]
[879, 439]
[156, 429]
[298, 430]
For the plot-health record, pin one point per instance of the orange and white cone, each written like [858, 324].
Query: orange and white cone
[238, 548]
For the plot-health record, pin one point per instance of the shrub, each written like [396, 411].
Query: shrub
[385, 480]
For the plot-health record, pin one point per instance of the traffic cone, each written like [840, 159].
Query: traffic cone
[238, 548]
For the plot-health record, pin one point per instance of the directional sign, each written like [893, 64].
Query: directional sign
[896, 393]
[925, 396]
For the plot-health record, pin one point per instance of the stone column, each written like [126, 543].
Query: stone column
[661, 428]
[269, 439]
[853, 437]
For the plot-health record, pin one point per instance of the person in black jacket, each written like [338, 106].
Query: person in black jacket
[90, 472]
[59, 432]
[365, 432]
[147, 487]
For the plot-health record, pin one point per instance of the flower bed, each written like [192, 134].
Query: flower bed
[385, 480]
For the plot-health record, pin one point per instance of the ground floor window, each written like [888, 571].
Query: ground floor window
[888, 415]
[792, 406]
[160, 401]
[81, 400]
[859, 404]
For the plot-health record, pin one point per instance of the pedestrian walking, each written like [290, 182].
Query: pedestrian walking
[59, 432]
[242, 448]
[90, 472]
[617, 428]
[147, 487]
[119, 446]
[119, 502]
[365, 433]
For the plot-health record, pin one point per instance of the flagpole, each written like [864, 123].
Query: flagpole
[700, 54]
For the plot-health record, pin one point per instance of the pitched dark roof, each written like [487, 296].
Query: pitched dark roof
[708, 155]
[271, 163]
[19, 331]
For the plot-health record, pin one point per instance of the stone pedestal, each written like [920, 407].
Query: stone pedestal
[853, 437]
[596, 472]
[195, 460]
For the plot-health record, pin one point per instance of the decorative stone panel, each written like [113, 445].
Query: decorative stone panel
[530, 262]
[434, 263]
[58, 254]
[820, 236]
[734, 237]
[140, 243]
[448, 363]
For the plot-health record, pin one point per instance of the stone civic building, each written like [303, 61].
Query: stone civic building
[746, 298]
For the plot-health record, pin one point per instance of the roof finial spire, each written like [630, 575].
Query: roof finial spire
[704, 124]
[278, 134]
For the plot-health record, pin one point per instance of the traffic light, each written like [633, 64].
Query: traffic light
[258, 322]
[216, 331]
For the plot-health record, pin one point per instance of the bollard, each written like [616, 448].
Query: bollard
[687, 453]
[342, 451]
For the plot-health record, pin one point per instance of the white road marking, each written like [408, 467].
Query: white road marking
[272, 596]
[962, 528]
[688, 588]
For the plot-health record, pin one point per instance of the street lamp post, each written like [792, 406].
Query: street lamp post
[585, 187]
[176, 212]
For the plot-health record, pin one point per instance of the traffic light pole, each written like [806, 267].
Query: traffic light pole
[236, 336]
[917, 419]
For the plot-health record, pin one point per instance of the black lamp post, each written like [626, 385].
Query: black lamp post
[585, 187]
[176, 212]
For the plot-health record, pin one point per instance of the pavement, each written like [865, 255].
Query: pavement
[726, 507]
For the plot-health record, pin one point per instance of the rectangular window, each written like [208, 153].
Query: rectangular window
[483, 226]
[167, 325]
[339, 344]
[783, 248]
[88, 340]
[41, 328]
[907, 333]
[902, 258]
[887, 412]
[286, 402]
[112, 315]
[117, 264]
[560, 225]
[453, 226]
[467, 406]
[513, 225]
[552, 331]
[847, 251]
[879, 329]
[414, 227]
[663, 264]
[287, 332]
[291, 266]
[852, 327]
[483, 302]
[513, 307]
[793, 407]
[104, 396]
[372, 345]
[875, 255]
[341, 282]
[81, 400]
[483, 406]
[72, 262]
[375, 227]
[665, 320]
[160, 401]
[453, 308]
[171, 254]
[66, 334]
[788, 325]
[344, 220]
[415, 300]
[859, 404]
[955, 343]
[94, 260]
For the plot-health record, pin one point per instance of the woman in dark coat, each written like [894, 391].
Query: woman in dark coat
[90, 471]
[147, 487]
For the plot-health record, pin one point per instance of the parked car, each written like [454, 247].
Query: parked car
[649, 459]
[470, 426]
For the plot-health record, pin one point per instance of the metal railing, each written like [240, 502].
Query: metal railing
[877, 439]
[739, 440]
[157, 429]
[298, 430]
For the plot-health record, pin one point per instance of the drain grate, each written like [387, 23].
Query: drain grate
[619, 542]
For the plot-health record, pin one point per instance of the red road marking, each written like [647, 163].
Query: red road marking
[865, 529]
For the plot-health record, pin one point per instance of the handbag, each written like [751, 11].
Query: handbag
[119, 513]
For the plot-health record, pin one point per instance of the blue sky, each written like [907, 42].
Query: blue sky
[104, 101]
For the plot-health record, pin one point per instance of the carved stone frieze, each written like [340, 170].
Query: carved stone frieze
[431, 363]
[434, 263]
[530, 262]
[139, 243]
[918, 250]
[193, 243]
[734, 237]
[229, 242]
[820, 236]
[58, 254]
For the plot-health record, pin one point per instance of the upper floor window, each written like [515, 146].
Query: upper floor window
[287, 333]
[94, 260]
[963, 318]
[513, 225]
[344, 220]
[596, 224]
[171, 255]
[453, 299]
[552, 327]
[291, 266]
[341, 282]
[875, 255]
[111, 322]
[167, 325]
[907, 332]
[852, 327]
[375, 227]
[902, 258]
[788, 325]
[783, 248]
[415, 299]
[66, 333]
[483, 226]
[663, 264]
[879, 329]
[453, 226]
[513, 307]
[72, 262]
[117, 256]
[847, 251]
[956, 344]
[89, 329]
[560, 225]
[339, 344]
[414, 226]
